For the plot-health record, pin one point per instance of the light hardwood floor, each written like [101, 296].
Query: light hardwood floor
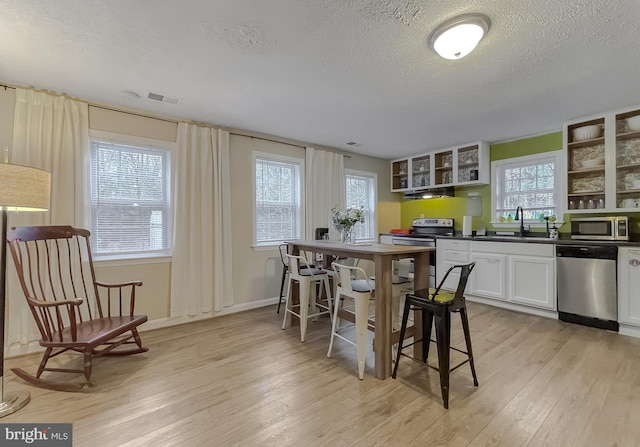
[240, 380]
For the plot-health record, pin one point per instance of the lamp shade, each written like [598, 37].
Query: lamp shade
[23, 188]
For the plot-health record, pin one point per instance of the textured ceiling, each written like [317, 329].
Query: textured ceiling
[332, 71]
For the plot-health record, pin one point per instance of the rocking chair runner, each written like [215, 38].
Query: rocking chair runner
[72, 310]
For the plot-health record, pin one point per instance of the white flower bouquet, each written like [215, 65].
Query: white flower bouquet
[343, 221]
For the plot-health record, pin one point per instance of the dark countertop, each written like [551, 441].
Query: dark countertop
[533, 240]
[539, 240]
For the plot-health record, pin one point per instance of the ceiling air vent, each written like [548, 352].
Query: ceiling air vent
[164, 98]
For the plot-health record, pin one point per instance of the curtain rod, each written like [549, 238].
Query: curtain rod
[267, 139]
[283, 141]
[176, 122]
[134, 113]
[97, 106]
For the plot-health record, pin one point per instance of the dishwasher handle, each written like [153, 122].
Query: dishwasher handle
[587, 251]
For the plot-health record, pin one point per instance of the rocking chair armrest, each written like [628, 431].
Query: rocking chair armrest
[117, 293]
[40, 303]
[123, 284]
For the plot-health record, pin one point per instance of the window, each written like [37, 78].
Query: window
[278, 212]
[532, 182]
[130, 200]
[361, 192]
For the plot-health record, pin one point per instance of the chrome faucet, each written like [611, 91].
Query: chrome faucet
[520, 215]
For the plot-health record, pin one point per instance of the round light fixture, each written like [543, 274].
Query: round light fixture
[457, 37]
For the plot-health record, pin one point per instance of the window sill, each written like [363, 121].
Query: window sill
[133, 260]
[266, 247]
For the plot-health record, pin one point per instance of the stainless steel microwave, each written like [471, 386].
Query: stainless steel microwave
[600, 228]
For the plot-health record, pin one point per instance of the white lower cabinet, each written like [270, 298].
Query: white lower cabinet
[533, 281]
[450, 253]
[514, 272]
[489, 276]
[519, 273]
[628, 285]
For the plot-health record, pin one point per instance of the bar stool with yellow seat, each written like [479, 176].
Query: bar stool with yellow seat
[307, 277]
[361, 292]
[438, 305]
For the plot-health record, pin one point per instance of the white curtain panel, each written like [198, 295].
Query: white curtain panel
[52, 133]
[325, 188]
[223, 281]
[201, 251]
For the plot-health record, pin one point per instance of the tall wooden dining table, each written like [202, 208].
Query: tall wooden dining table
[383, 256]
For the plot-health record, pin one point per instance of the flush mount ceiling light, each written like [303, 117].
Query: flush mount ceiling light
[457, 37]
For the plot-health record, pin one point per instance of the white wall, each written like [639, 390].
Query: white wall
[256, 274]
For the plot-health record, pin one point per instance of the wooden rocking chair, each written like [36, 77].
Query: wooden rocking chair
[72, 310]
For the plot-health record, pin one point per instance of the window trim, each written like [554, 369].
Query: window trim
[374, 177]
[150, 143]
[255, 155]
[497, 165]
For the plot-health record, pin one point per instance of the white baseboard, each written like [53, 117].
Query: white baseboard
[630, 331]
[159, 323]
[175, 321]
[511, 306]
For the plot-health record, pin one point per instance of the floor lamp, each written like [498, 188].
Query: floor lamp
[21, 189]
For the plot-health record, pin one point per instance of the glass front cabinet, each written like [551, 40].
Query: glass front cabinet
[603, 162]
[400, 175]
[464, 165]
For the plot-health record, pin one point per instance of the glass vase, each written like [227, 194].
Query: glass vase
[346, 235]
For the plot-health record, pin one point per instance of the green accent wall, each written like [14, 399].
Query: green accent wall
[526, 146]
[456, 207]
[452, 207]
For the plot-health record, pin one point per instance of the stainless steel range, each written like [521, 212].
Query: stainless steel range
[423, 233]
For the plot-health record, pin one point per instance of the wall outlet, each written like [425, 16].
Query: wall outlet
[421, 216]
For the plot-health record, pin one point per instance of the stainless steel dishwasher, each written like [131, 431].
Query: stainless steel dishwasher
[587, 285]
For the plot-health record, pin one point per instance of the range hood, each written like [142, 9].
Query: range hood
[430, 193]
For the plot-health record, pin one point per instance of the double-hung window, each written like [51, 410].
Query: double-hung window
[130, 200]
[532, 182]
[361, 193]
[278, 213]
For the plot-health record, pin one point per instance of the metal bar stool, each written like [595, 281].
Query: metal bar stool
[401, 283]
[438, 305]
[283, 248]
[361, 292]
[285, 271]
[307, 277]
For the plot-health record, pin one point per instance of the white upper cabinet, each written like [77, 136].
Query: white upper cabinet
[421, 168]
[603, 162]
[461, 165]
[400, 175]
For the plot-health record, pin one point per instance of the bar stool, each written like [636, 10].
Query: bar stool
[438, 305]
[361, 292]
[307, 278]
[401, 283]
[285, 272]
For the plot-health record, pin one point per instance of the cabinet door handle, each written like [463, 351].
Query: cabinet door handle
[493, 261]
[634, 262]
